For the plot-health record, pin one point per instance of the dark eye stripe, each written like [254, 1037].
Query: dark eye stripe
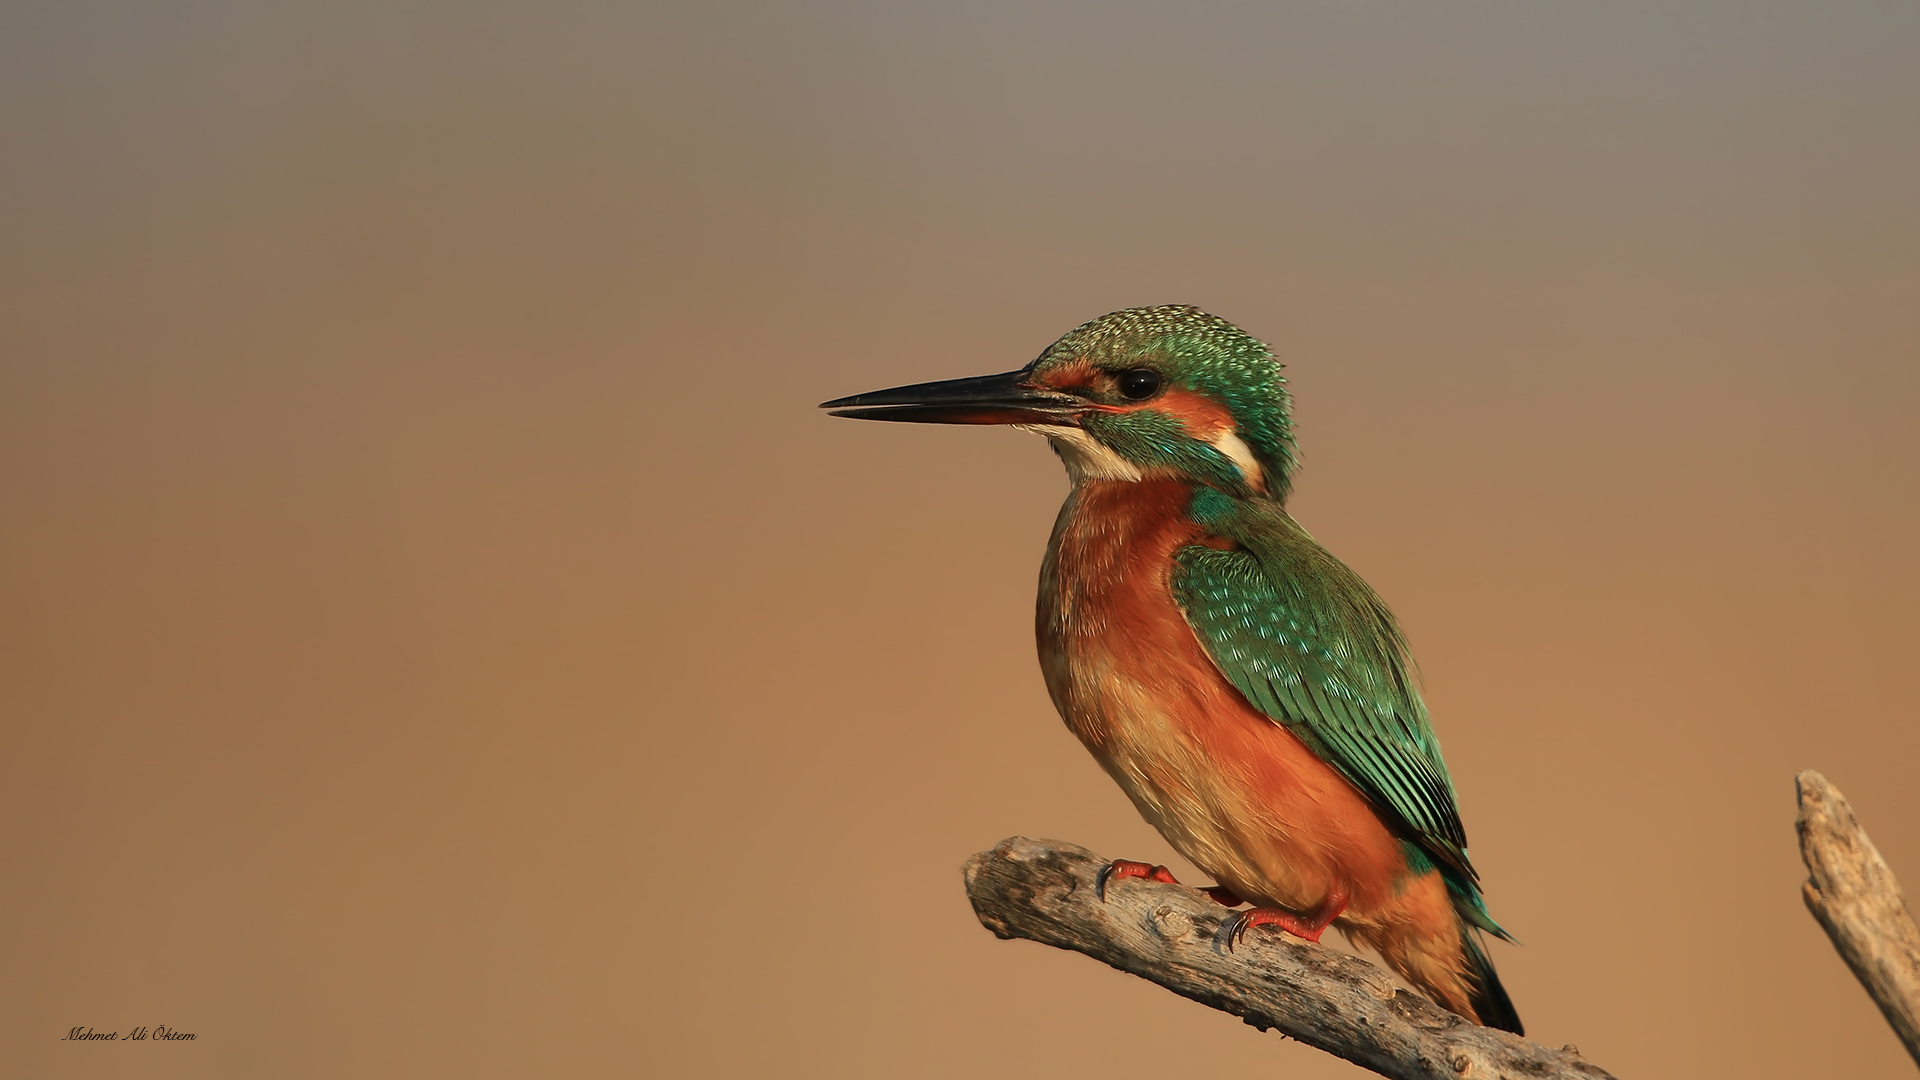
[1139, 384]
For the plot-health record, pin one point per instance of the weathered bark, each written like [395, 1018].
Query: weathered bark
[1044, 890]
[1853, 894]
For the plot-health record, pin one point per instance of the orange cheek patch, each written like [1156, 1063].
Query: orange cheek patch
[1203, 418]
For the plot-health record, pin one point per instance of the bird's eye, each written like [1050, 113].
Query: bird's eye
[1139, 384]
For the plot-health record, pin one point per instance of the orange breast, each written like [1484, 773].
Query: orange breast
[1233, 791]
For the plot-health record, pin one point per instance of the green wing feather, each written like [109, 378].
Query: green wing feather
[1309, 644]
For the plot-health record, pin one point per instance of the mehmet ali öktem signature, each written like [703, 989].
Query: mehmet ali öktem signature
[163, 1032]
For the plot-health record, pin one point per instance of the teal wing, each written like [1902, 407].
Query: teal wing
[1309, 644]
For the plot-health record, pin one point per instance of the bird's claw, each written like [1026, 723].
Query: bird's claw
[1307, 927]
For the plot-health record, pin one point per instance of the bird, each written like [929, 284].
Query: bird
[1251, 694]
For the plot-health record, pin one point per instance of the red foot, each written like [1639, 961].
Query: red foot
[1123, 868]
[1119, 869]
[1309, 926]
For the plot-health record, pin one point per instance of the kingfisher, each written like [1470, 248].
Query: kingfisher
[1252, 695]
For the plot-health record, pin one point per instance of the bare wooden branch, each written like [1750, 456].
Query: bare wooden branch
[1045, 891]
[1853, 894]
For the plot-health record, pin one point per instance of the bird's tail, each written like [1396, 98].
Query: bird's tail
[1489, 998]
[1484, 992]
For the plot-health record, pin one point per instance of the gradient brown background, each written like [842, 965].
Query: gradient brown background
[442, 639]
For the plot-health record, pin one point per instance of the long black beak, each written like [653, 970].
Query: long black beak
[982, 399]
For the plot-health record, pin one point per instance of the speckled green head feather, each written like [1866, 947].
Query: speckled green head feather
[1193, 352]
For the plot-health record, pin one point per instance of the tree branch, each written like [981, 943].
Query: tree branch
[1044, 890]
[1853, 894]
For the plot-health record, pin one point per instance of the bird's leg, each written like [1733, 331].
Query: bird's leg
[1119, 869]
[1222, 895]
[1309, 926]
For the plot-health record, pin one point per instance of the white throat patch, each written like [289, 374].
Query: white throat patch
[1084, 456]
[1087, 458]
